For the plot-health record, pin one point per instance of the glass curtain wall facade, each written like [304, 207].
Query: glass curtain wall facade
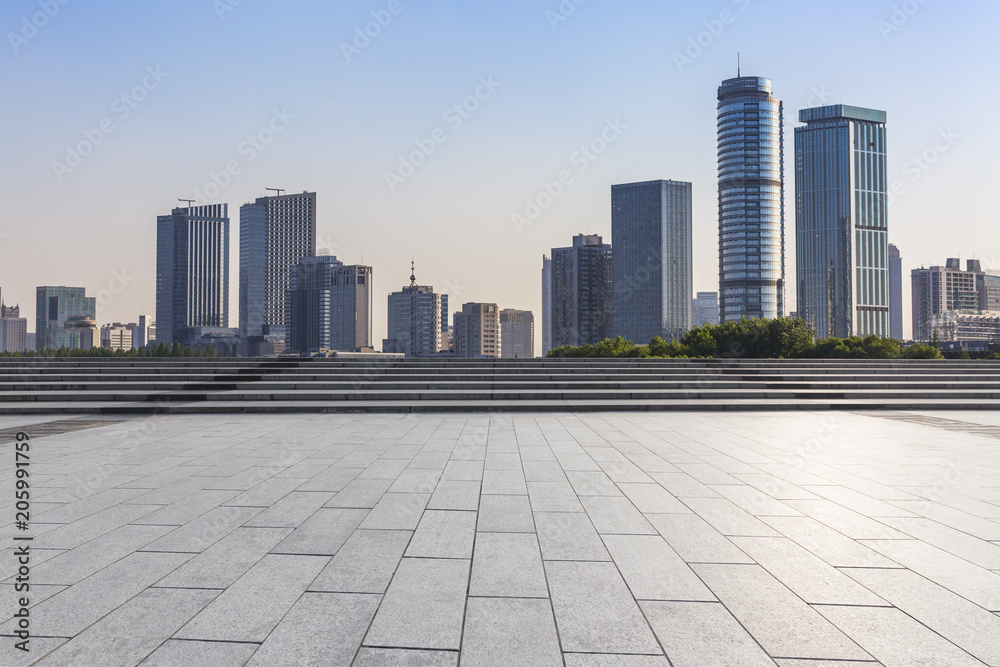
[751, 200]
[581, 290]
[841, 211]
[546, 305]
[651, 261]
[55, 305]
[192, 270]
[328, 306]
[895, 293]
[275, 234]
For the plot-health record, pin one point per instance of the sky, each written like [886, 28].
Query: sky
[437, 130]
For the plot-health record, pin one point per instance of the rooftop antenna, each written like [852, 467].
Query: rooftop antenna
[413, 274]
[739, 65]
[190, 202]
[278, 190]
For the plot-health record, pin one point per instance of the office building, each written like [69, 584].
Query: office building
[275, 234]
[942, 289]
[517, 334]
[651, 262]
[705, 308]
[415, 315]
[476, 331]
[328, 306]
[546, 305]
[54, 307]
[841, 210]
[988, 286]
[895, 293]
[83, 329]
[956, 326]
[582, 283]
[117, 336]
[140, 333]
[13, 329]
[192, 271]
[751, 200]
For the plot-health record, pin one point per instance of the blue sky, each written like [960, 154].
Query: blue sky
[200, 78]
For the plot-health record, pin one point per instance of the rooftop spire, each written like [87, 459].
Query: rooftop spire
[413, 274]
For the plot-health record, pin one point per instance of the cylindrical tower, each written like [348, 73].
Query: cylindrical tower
[751, 200]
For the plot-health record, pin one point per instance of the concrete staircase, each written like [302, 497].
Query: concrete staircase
[218, 386]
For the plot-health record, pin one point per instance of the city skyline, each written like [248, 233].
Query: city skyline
[340, 136]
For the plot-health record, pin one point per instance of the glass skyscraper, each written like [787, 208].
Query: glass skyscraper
[751, 200]
[841, 207]
[895, 293]
[581, 289]
[275, 234]
[53, 307]
[651, 261]
[192, 270]
[328, 306]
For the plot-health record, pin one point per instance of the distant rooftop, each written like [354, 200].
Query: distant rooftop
[841, 111]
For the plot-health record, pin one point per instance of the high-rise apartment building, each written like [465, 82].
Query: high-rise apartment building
[651, 261]
[275, 234]
[476, 331]
[328, 306]
[517, 334]
[895, 293]
[54, 307]
[705, 308]
[13, 329]
[192, 271]
[942, 289]
[582, 283]
[546, 305]
[751, 200]
[841, 211]
[415, 314]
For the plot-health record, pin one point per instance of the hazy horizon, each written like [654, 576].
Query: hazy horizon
[232, 96]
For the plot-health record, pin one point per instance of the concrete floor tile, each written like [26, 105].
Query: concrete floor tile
[569, 536]
[504, 482]
[320, 629]
[654, 571]
[698, 633]
[616, 516]
[174, 653]
[835, 548]
[444, 534]
[595, 612]
[251, 607]
[323, 533]
[455, 495]
[729, 519]
[511, 631]
[388, 657]
[507, 565]
[424, 606]
[396, 511]
[653, 499]
[226, 560]
[365, 563]
[505, 514]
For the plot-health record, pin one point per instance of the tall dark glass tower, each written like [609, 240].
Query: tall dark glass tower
[651, 261]
[841, 207]
[192, 270]
[275, 234]
[751, 200]
[581, 289]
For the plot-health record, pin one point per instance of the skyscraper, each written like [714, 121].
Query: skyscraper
[895, 293]
[517, 334]
[581, 289]
[54, 306]
[275, 233]
[841, 211]
[706, 308]
[751, 200]
[414, 320]
[651, 261]
[13, 329]
[192, 271]
[477, 331]
[546, 305]
[328, 306]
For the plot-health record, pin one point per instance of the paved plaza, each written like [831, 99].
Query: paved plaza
[702, 539]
